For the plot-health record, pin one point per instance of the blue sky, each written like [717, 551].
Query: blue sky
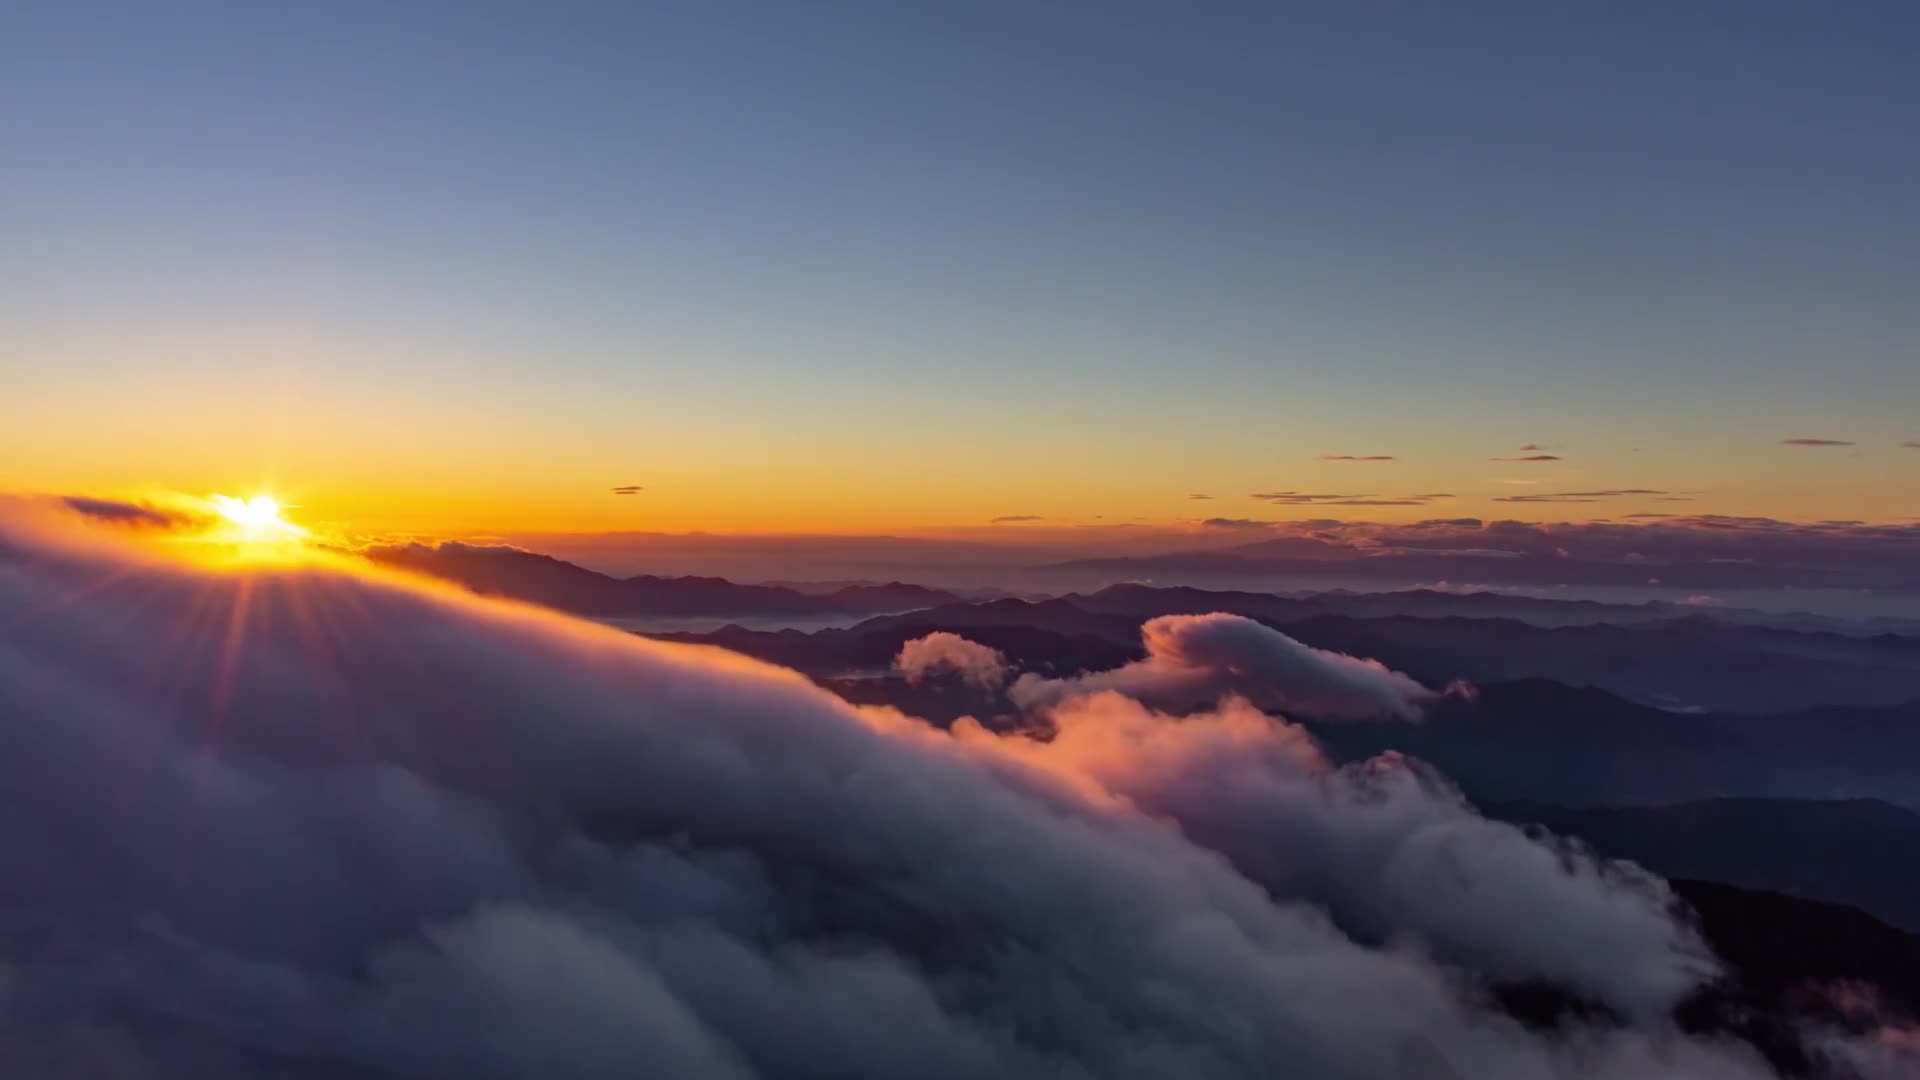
[1126, 250]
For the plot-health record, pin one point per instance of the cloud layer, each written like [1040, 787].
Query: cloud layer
[1303, 498]
[1194, 660]
[1689, 550]
[943, 651]
[1386, 846]
[314, 821]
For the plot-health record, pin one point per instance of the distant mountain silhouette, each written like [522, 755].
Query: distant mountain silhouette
[1529, 739]
[1050, 636]
[1791, 960]
[1439, 603]
[1659, 711]
[1689, 661]
[1791, 966]
[1851, 851]
[1781, 945]
[1308, 558]
[541, 579]
[1536, 740]
[1684, 664]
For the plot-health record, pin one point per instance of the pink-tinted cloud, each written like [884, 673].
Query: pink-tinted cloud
[1890, 1047]
[1194, 660]
[1363, 840]
[942, 651]
[1815, 442]
[1305, 498]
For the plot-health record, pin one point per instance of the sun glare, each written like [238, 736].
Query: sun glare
[256, 520]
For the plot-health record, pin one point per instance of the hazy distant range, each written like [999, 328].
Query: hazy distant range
[986, 568]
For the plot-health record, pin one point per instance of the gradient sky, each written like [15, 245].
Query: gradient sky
[878, 266]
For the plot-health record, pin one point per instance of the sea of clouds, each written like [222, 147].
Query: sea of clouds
[316, 820]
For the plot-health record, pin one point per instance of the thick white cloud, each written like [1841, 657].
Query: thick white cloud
[1192, 660]
[1388, 847]
[311, 822]
[943, 651]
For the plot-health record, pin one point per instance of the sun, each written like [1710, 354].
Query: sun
[256, 520]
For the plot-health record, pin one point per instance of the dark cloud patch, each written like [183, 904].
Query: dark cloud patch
[1911, 444]
[1529, 457]
[1578, 496]
[1528, 448]
[1738, 523]
[628, 489]
[1815, 442]
[1358, 457]
[1301, 498]
[1012, 519]
[1235, 523]
[137, 515]
[1362, 500]
[1447, 553]
[1199, 495]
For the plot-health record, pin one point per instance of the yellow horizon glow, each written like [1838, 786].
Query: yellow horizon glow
[341, 515]
[344, 500]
